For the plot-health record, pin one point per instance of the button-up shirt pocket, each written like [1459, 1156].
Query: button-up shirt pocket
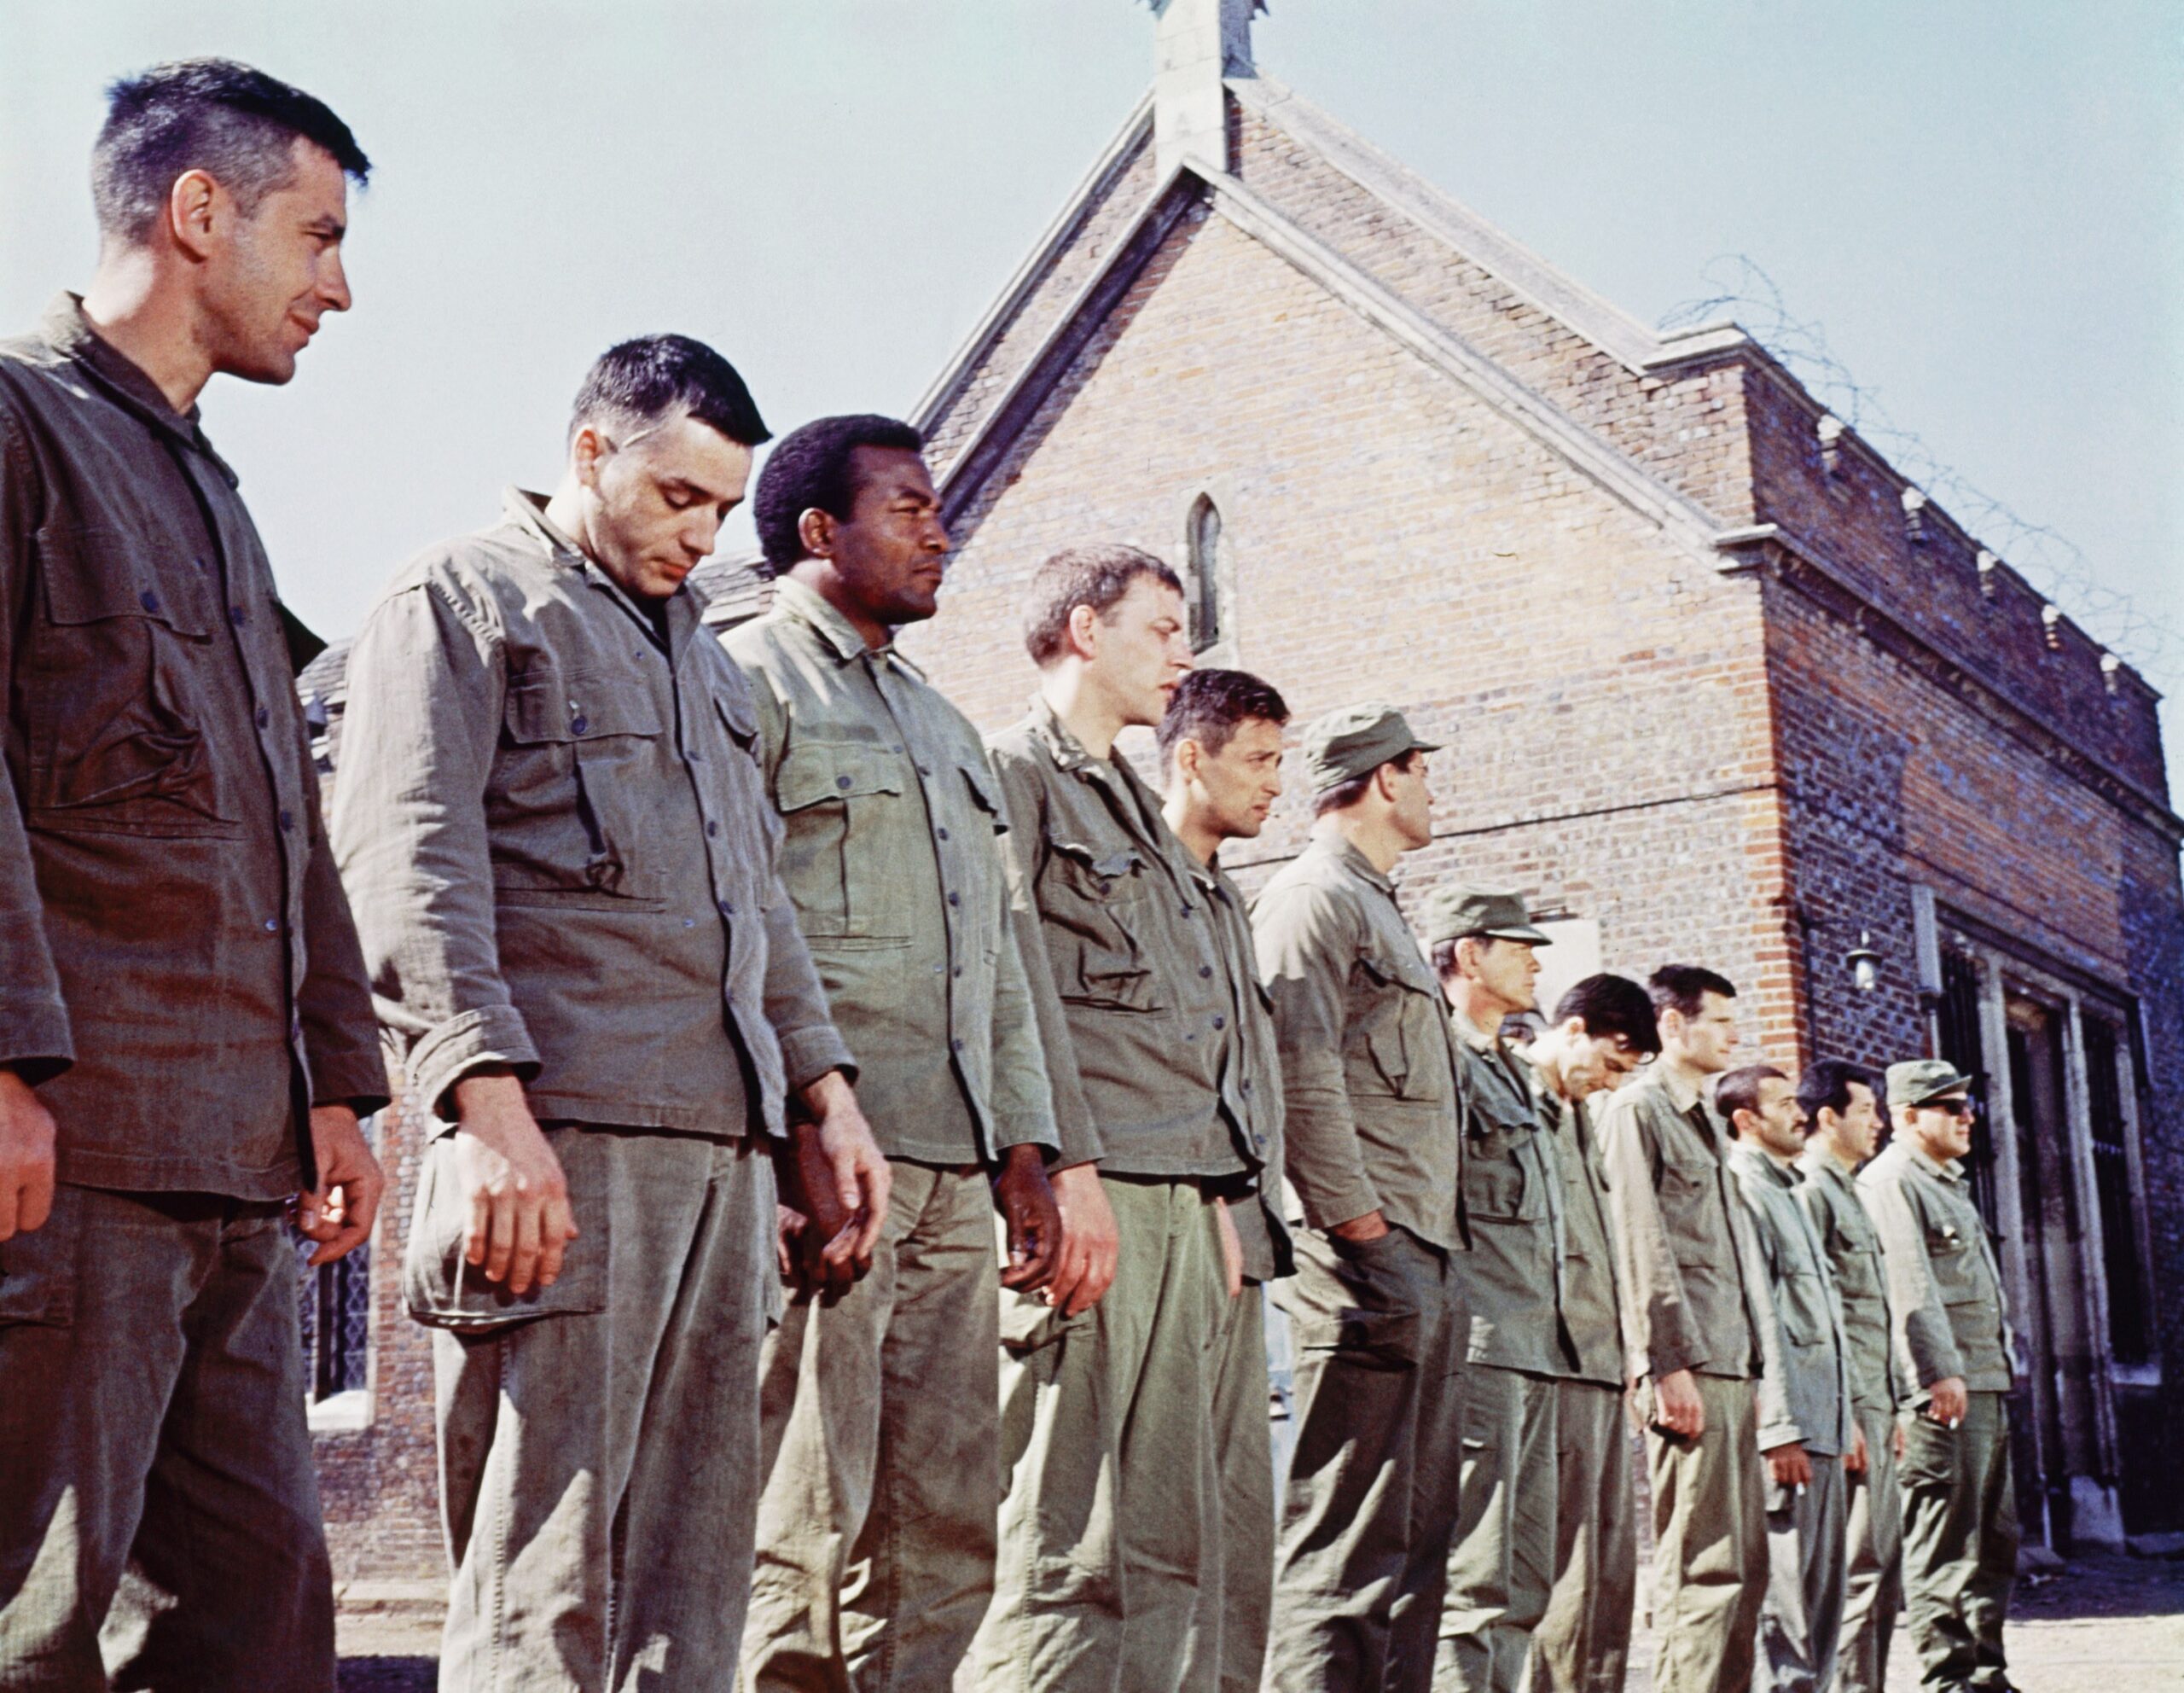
[1498, 1183]
[1689, 1178]
[1390, 1047]
[569, 820]
[107, 751]
[1952, 1259]
[1088, 897]
[1803, 1301]
[836, 862]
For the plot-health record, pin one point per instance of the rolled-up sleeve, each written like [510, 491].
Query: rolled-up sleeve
[1305, 944]
[425, 698]
[35, 1039]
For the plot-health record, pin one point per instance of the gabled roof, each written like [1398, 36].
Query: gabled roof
[1027, 380]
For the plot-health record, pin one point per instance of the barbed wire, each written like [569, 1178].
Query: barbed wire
[2051, 561]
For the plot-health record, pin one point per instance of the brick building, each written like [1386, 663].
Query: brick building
[1718, 684]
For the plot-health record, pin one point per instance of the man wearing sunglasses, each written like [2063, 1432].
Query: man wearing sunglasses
[1953, 1347]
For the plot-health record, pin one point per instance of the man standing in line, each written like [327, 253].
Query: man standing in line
[1953, 1351]
[1842, 1108]
[1603, 1029]
[1692, 1324]
[1111, 1525]
[880, 1404]
[188, 1037]
[1376, 1153]
[1502, 1559]
[1221, 750]
[550, 816]
[1807, 1432]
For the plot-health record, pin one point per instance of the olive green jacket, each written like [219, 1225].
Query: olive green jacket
[1945, 1286]
[1262, 1229]
[1805, 1385]
[1368, 1061]
[179, 974]
[558, 842]
[893, 857]
[1513, 1198]
[1682, 1236]
[1830, 1196]
[1123, 963]
[1592, 1299]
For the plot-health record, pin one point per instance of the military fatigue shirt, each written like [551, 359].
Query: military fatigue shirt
[1368, 1055]
[1805, 1385]
[1944, 1287]
[558, 842]
[1261, 1228]
[1591, 1298]
[178, 971]
[1123, 963]
[1513, 1196]
[891, 856]
[1682, 1234]
[1847, 1234]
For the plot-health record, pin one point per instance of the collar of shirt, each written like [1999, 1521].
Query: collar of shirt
[1332, 845]
[1474, 1036]
[1819, 1164]
[527, 512]
[1555, 1111]
[70, 333]
[810, 606]
[1682, 1095]
[1950, 1171]
[1757, 1158]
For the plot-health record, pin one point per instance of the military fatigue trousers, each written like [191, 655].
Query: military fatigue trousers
[1243, 1461]
[1802, 1619]
[1710, 1542]
[1111, 1517]
[1381, 1331]
[1872, 1586]
[152, 1391]
[1583, 1642]
[1501, 1560]
[1959, 1542]
[599, 1453]
[879, 1420]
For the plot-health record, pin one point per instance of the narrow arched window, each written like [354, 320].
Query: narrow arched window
[1202, 581]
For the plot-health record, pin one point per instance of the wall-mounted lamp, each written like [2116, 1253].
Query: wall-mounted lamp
[1864, 962]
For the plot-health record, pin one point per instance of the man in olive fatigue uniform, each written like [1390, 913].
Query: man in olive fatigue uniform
[1502, 1559]
[1807, 1432]
[1842, 1108]
[1604, 1028]
[880, 1406]
[1953, 1353]
[1692, 1321]
[1375, 1154]
[550, 816]
[1110, 1526]
[1221, 748]
[186, 1032]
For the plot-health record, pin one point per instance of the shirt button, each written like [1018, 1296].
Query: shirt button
[264, 717]
[959, 970]
[689, 922]
[238, 616]
[1258, 1143]
[941, 833]
[579, 723]
[287, 819]
[712, 827]
[954, 898]
[925, 769]
[1186, 910]
[1246, 1086]
[693, 756]
[728, 908]
[1221, 1023]
[841, 782]
[957, 1045]
[272, 925]
[1205, 970]
[148, 599]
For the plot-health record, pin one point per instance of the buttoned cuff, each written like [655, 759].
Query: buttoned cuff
[1939, 1366]
[809, 1053]
[37, 1046]
[444, 1054]
[1326, 1208]
[1666, 1360]
[1028, 1129]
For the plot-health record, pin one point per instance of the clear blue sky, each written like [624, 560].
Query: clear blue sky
[1979, 200]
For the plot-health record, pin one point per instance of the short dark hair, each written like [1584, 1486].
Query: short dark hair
[236, 123]
[638, 383]
[810, 470]
[1826, 1085]
[1349, 791]
[1683, 988]
[1210, 706]
[1738, 1091]
[1612, 1005]
[1095, 576]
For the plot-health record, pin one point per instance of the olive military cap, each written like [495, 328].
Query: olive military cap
[1452, 913]
[1356, 740]
[1919, 1080]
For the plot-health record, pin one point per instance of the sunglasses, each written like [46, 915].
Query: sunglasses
[1967, 1108]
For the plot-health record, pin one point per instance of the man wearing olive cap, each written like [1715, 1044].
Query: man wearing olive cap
[1375, 1154]
[1953, 1350]
[1501, 1563]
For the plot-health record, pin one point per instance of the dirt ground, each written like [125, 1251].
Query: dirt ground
[2104, 1624]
